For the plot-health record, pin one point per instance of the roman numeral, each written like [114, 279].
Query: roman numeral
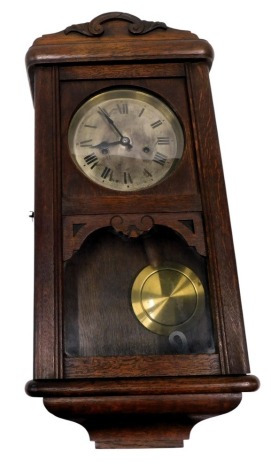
[163, 140]
[105, 173]
[123, 108]
[141, 112]
[91, 159]
[160, 158]
[147, 173]
[85, 143]
[91, 127]
[127, 178]
[156, 124]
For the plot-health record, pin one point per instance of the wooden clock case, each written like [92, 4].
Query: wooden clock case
[138, 397]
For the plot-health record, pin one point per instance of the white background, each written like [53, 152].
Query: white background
[239, 31]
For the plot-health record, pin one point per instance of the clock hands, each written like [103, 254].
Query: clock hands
[123, 139]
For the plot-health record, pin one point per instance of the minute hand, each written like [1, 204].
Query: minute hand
[111, 122]
[124, 140]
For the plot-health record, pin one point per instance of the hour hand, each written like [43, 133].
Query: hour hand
[104, 145]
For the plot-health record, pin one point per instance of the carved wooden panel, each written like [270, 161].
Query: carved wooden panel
[77, 228]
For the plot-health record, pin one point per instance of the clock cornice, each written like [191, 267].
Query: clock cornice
[120, 37]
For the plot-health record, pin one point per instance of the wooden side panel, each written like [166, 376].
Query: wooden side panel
[222, 267]
[47, 229]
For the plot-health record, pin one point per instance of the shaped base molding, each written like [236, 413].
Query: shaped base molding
[141, 422]
[141, 413]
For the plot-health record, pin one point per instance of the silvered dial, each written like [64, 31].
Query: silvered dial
[125, 139]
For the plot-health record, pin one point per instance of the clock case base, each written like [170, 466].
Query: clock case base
[141, 413]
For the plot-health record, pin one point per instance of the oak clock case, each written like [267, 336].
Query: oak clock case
[138, 323]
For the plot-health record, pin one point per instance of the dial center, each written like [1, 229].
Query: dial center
[125, 141]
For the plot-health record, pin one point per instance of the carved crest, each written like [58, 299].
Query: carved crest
[132, 226]
[95, 27]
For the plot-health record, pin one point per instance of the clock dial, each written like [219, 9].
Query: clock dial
[125, 139]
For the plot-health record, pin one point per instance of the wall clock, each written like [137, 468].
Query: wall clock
[138, 324]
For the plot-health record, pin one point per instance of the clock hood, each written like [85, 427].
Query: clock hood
[94, 42]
